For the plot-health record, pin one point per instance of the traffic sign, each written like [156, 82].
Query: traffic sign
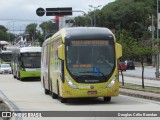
[58, 11]
[40, 11]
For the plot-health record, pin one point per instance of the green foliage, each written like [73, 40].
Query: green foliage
[82, 21]
[3, 35]
[47, 27]
[133, 48]
[31, 30]
[4, 29]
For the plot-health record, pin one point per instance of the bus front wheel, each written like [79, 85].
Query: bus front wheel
[107, 99]
[63, 100]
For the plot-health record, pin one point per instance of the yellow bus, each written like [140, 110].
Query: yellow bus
[81, 62]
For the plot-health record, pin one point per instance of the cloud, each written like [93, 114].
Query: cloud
[26, 9]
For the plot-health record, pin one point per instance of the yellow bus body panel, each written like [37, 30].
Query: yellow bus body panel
[101, 88]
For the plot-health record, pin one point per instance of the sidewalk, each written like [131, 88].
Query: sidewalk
[140, 94]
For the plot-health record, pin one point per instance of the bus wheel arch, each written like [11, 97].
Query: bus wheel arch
[62, 100]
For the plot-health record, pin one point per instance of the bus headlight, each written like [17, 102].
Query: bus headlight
[112, 82]
[70, 83]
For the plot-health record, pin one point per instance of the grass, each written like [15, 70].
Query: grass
[139, 87]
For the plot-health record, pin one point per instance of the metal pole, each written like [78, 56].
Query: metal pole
[157, 65]
[95, 13]
[152, 30]
[94, 17]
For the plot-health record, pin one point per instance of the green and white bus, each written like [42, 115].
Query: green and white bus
[27, 63]
[5, 57]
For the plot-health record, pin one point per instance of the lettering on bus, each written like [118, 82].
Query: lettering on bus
[37, 54]
[82, 65]
[89, 42]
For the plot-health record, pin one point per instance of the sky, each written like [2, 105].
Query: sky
[26, 10]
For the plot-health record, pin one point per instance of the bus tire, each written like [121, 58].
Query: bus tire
[107, 99]
[18, 76]
[63, 100]
[54, 96]
[46, 91]
[58, 89]
[14, 76]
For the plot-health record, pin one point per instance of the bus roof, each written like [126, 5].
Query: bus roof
[30, 49]
[80, 33]
[87, 33]
[87, 30]
[4, 42]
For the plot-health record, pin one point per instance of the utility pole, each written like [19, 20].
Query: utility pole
[94, 13]
[152, 29]
[158, 27]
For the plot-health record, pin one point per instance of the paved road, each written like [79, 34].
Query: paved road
[149, 72]
[29, 96]
[138, 81]
[135, 76]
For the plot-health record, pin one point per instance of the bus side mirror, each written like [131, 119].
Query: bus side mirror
[118, 50]
[61, 54]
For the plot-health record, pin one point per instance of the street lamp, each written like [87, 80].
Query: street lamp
[94, 12]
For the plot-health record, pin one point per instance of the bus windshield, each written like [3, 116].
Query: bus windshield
[90, 58]
[31, 60]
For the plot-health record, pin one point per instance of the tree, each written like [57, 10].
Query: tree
[82, 21]
[3, 28]
[136, 49]
[48, 27]
[31, 30]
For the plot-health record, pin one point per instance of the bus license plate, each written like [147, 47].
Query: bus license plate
[92, 92]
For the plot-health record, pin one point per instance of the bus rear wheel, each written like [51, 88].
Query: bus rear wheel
[54, 96]
[107, 99]
[46, 91]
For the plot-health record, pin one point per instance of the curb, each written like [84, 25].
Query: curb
[8, 105]
[3, 106]
[132, 93]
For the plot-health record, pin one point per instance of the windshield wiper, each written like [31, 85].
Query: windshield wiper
[94, 72]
